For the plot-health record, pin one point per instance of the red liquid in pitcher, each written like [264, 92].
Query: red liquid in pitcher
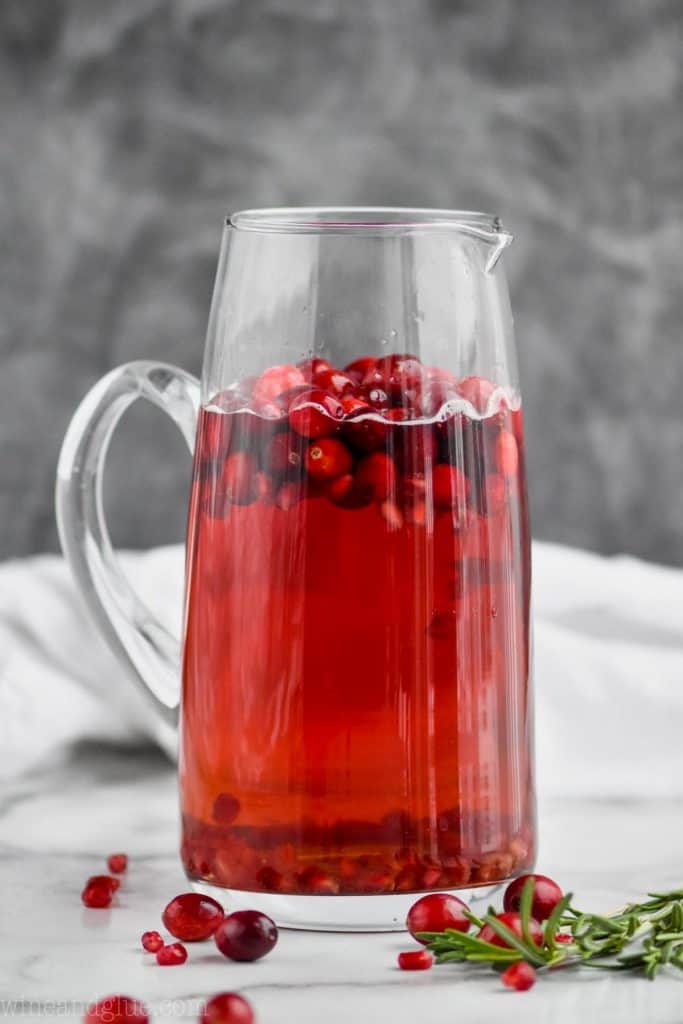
[356, 664]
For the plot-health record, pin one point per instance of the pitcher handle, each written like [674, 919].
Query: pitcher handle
[146, 648]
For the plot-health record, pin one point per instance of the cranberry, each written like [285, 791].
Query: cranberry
[239, 478]
[309, 367]
[376, 476]
[368, 434]
[402, 373]
[435, 913]
[546, 895]
[450, 486]
[514, 923]
[344, 491]
[289, 495]
[336, 381]
[285, 453]
[269, 879]
[435, 395]
[117, 863]
[507, 454]
[97, 896]
[317, 882]
[415, 960]
[353, 406]
[315, 413]
[520, 976]
[415, 446]
[327, 459]
[104, 880]
[477, 391]
[225, 809]
[275, 380]
[172, 955]
[246, 935]
[116, 1010]
[374, 396]
[192, 916]
[360, 366]
[227, 1008]
[151, 941]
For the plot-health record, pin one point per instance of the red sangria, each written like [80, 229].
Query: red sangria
[355, 709]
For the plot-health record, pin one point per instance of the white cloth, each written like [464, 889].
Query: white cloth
[608, 655]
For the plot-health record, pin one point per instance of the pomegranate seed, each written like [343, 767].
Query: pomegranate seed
[227, 1008]
[225, 808]
[316, 881]
[309, 367]
[507, 454]
[336, 381]
[275, 380]
[104, 880]
[514, 923]
[239, 478]
[172, 955]
[315, 413]
[546, 895]
[477, 391]
[116, 1010]
[520, 976]
[192, 916]
[376, 476]
[327, 459]
[117, 862]
[361, 366]
[450, 486]
[435, 913]
[415, 960]
[408, 879]
[97, 896]
[246, 935]
[285, 453]
[151, 941]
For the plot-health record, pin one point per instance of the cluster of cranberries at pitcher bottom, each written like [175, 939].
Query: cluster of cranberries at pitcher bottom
[356, 657]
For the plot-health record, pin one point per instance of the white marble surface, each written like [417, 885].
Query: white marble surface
[56, 827]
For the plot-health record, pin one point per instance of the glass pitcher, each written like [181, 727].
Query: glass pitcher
[354, 718]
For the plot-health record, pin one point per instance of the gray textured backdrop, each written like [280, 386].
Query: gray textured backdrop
[129, 127]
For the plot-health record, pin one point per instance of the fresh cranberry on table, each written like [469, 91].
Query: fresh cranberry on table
[227, 1008]
[192, 916]
[415, 960]
[514, 923]
[172, 955]
[327, 459]
[435, 913]
[116, 1010]
[520, 976]
[315, 413]
[546, 895]
[246, 935]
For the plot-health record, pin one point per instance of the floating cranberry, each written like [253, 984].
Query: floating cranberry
[275, 380]
[353, 406]
[309, 367]
[327, 459]
[435, 395]
[117, 1010]
[514, 923]
[520, 976]
[317, 882]
[192, 916]
[117, 863]
[151, 941]
[450, 486]
[402, 373]
[172, 955]
[477, 391]
[246, 935]
[415, 960]
[376, 476]
[345, 492]
[360, 366]
[374, 396]
[507, 454]
[97, 896]
[435, 913]
[227, 1008]
[225, 809]
[239, 478]
[285, 453]
[315, 413]
[368, 433]
[546, 895]
[336, 381]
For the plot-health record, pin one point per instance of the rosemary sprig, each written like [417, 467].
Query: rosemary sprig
[642, 937]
